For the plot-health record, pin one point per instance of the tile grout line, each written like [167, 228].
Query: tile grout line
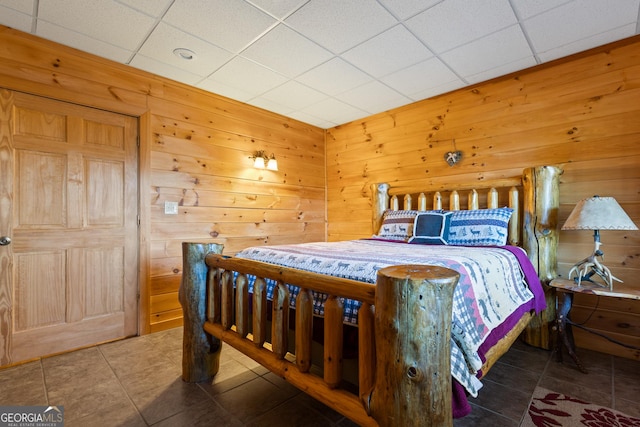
[124, 390]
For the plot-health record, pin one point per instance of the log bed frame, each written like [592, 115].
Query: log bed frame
[215, 310]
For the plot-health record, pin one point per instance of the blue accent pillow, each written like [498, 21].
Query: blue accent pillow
[480, 227]
[431, 228]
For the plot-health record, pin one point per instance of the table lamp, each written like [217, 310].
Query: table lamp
[596, 213]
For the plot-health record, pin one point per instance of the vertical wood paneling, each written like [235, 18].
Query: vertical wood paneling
[581, 113]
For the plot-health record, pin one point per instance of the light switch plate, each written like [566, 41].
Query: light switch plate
[171, 208]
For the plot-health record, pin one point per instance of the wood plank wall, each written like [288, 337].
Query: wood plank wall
[582, 113]
[194, 150]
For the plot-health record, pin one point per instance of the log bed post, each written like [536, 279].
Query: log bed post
[541, 205]
[380, 200]
[200, 351]
[412, 326]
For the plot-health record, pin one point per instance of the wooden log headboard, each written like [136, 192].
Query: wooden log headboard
[533, 224]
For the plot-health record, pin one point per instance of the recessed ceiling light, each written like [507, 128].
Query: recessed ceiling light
[185, 54]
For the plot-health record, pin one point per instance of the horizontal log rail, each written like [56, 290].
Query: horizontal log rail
[347, 288]
[233, 326]
[342, 401]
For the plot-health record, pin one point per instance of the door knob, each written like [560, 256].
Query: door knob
[5, 240]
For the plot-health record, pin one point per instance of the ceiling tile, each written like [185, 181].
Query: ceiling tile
[339, 25]
[308, 118]
[453, 23]
[151, 65]
[588, 42]
[528, 8]
[438, 90]
[220, 88]
[501, 70]
[247, 76]
[231, 25]
[334, 111]
[550, 30]
[287, 52]
[24, 6]
[417, 79]
[390, 51]
[82, 42]
[164, 39]
[407, 8]
[269, 105]
[14, 19]
[334, 76]
[107, 21]
[294, 95]
[495, 50]
[373, 97]
[155, 8]
[278, 8]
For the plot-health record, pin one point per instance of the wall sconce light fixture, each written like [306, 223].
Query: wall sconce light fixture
[262, 161]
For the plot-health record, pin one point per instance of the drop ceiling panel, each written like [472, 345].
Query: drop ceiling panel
[426, 77]
[285, 51]
[109, 22]
[334, 76]
[209, 57]
[280, 9]
[333, 110]
[151, 65]
[24, 6]
[294, 95]
[247, 76]
[155, 8]
[388, 52]
[339, 25]
[83, 42]
[373, 97]
[232, 25]
[453, 23]
[576, 21]
[16, 19]
[407, 8]
[495, 50]
[327, 62]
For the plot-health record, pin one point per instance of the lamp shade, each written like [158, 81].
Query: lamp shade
[598, 213]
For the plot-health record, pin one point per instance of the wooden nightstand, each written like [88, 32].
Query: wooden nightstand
[565, 289]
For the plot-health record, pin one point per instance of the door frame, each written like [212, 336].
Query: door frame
[143, 116]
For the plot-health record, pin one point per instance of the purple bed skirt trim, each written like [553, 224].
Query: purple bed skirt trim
[460, 403]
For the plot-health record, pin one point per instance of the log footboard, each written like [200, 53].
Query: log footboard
[404, 349]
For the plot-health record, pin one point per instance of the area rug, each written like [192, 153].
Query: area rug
[551, 409]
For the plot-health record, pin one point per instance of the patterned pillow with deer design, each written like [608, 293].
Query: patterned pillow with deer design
[396, 225]
[480, 227]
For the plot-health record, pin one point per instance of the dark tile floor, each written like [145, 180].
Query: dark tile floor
[137, 382]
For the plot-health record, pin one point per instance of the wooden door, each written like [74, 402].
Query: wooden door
[68, 203]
